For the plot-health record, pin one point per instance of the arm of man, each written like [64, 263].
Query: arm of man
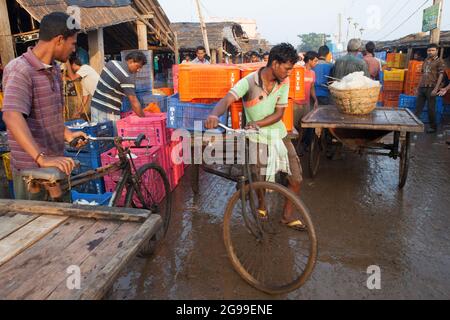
[270, 120]
[136, 106]
[16, 123]
[441, 70]
[221, 107]
[236, 93]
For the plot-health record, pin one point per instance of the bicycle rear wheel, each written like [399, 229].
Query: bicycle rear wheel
[154, 194]
[266, 253]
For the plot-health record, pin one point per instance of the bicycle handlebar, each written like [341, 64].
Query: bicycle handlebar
[239, 131]
[138, 140]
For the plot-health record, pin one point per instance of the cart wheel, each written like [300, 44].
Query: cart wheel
[315, 151]
[404, 160]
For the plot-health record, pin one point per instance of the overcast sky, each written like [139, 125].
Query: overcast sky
[283, 20]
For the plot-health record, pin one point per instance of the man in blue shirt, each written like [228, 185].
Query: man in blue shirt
[323, 70]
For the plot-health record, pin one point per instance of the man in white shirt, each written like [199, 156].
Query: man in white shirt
[201, 56]
[89, 80]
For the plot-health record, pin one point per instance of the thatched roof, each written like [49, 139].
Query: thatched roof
[418, 40]
[257, 45]
[91, 18]
[190, 35]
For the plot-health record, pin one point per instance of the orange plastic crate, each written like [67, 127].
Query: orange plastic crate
[248, 68]
[391, 103]
[391, 95]
[288, 117]
[393, 86]
[297, 85]
[206, 82]
[237, 110]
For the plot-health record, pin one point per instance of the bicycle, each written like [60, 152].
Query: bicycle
[256, 240]
[134, 180]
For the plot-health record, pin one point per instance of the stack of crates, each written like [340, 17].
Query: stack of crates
[413, 77]
[410, 102]
[141, 156]
[393, 82]
[89, 156]
[158, 135]
[396, 60]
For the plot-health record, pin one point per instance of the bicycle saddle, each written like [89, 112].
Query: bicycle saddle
[48, 174]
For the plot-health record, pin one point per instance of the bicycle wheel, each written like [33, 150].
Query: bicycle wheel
[154, 188]
[265, 252]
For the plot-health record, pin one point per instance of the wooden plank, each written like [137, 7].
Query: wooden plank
[98, 259]
[46, 279]
[69, 210]
[106, 277]
[381, 119]
[22, 267]
[27, 236]
[10, 223]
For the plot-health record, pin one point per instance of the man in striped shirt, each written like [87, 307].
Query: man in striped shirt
[33, 104]
[116, 82]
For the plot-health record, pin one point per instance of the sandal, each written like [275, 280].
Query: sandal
[296, 225]
[263, 214]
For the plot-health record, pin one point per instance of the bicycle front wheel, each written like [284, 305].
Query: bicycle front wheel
[152, 192]
[268, 254]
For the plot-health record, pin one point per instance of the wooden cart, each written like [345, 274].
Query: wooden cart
[45, 246]
[363, 134]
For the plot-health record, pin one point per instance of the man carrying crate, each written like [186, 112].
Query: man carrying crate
[265, 96]
[33, 104]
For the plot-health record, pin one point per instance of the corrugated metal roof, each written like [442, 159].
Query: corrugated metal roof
[91, 18]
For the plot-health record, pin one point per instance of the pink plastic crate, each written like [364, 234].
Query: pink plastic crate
[144, 156]
[153, 126]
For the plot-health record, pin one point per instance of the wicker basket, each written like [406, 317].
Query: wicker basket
[356, 101]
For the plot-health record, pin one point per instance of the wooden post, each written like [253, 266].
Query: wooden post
[214, 56]
[203, 27]
[436, 33]
[6, 39]
[96, 50]
[220, 54]
[177, 50]
[142, 35]
[409, 55]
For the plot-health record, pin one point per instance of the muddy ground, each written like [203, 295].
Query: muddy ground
[361, 218]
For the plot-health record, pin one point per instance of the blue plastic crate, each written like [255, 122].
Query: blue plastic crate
[184, 115]
[105, 129]
[101, 199]
[381, 75]
[410, 102]
[88, 161]
[145, 98]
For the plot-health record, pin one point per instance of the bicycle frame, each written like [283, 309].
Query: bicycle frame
[125, 164]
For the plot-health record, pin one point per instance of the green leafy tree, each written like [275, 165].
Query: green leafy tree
[312, 41]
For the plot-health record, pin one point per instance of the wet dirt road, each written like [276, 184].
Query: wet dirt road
[361, 219]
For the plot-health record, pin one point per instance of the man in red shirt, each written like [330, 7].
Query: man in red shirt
[303, 107]
[33, 104]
